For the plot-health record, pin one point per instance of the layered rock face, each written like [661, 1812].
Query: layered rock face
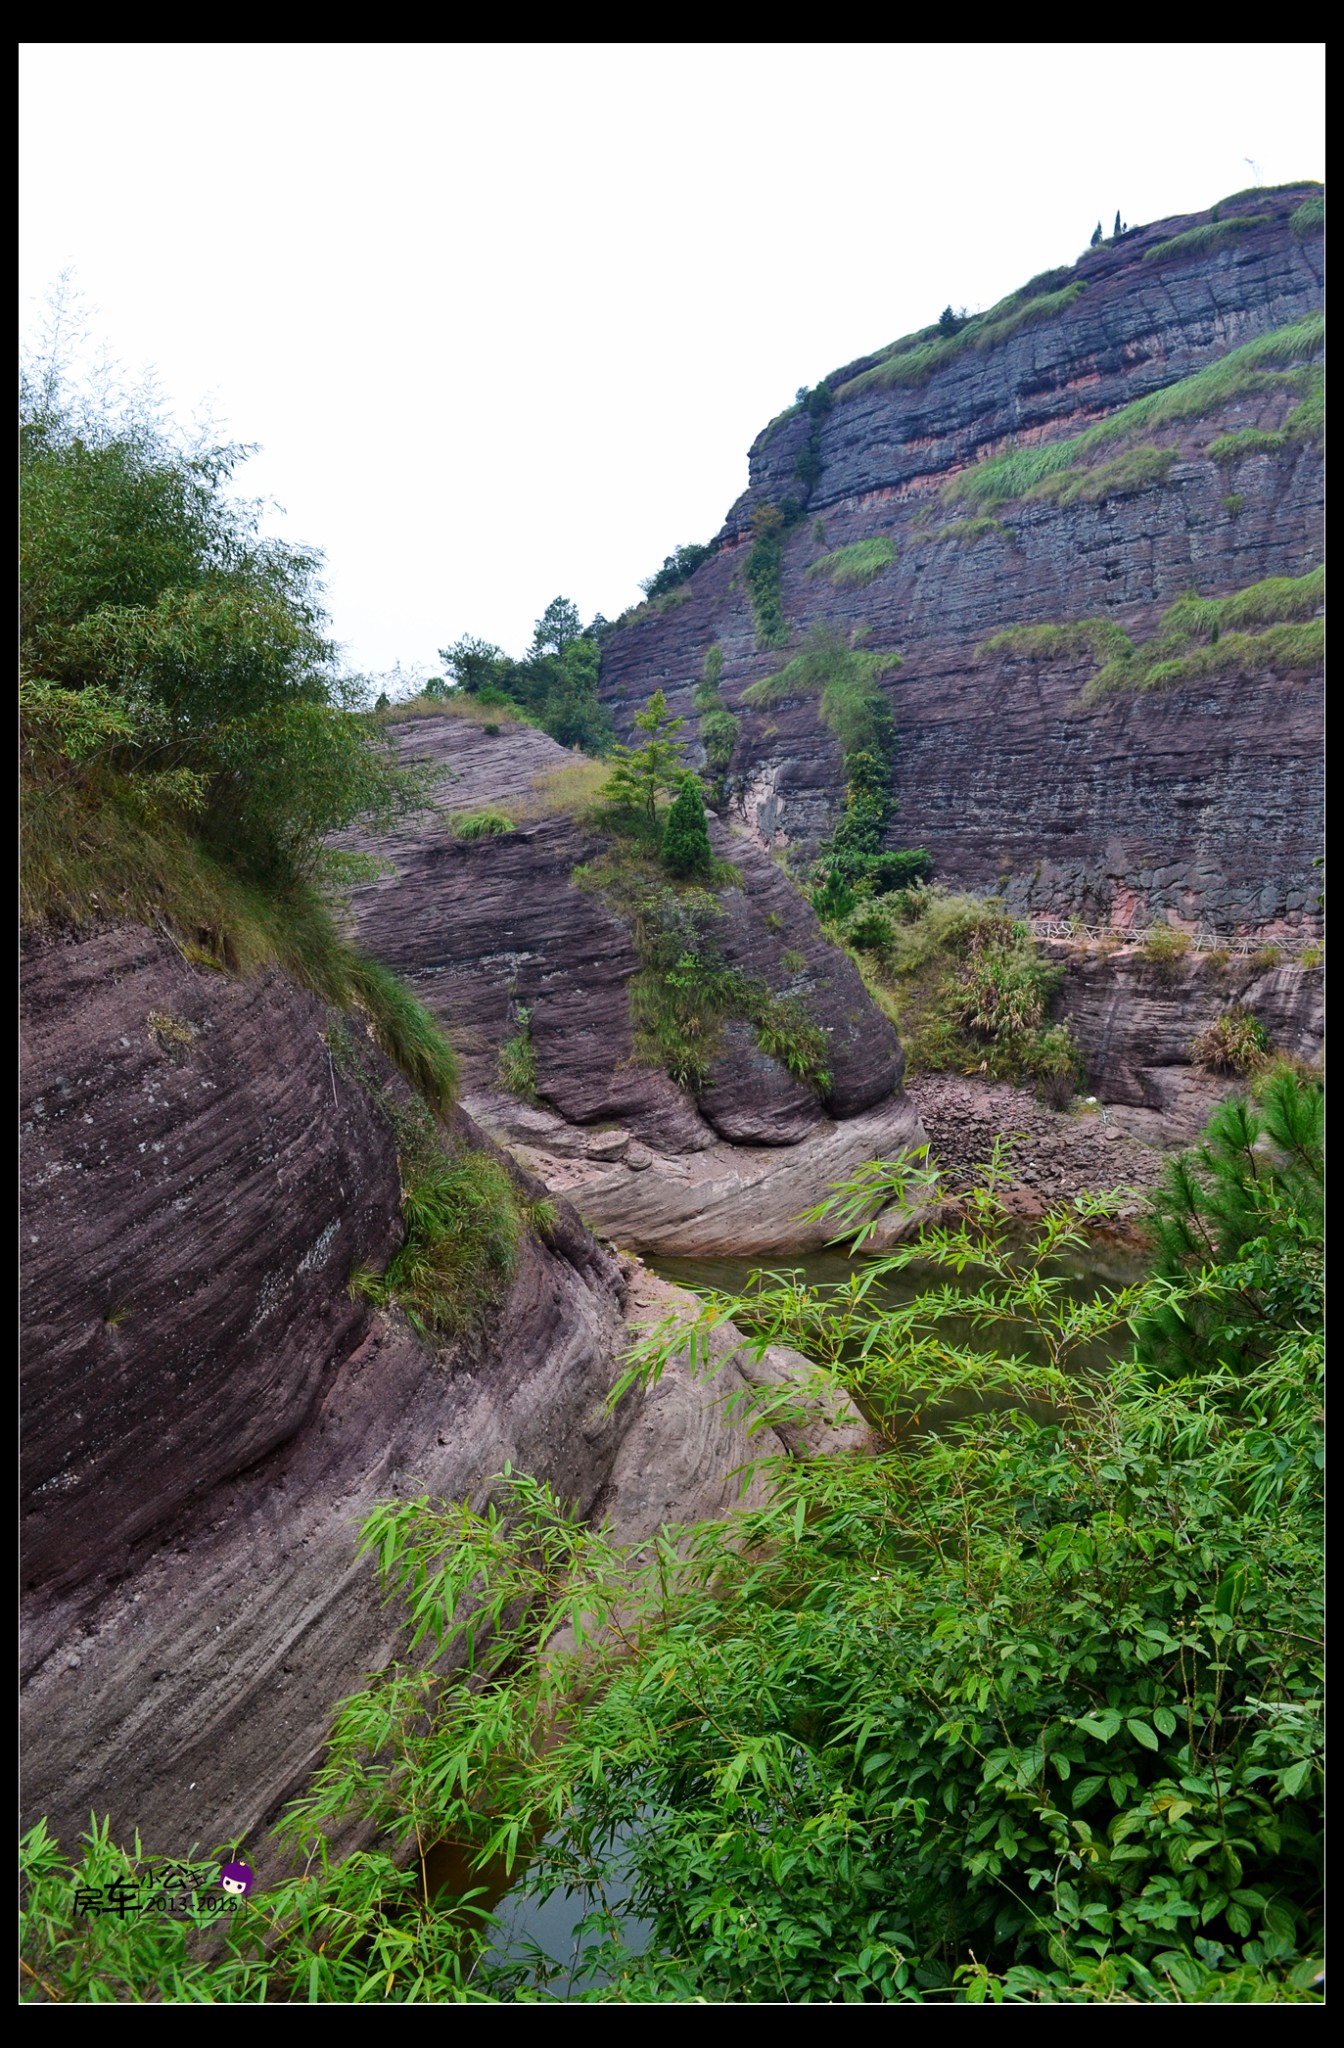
[1199, 799]
[490, 930]
[209, 1416]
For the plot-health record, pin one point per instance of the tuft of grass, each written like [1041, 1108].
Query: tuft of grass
[496, 712]
[569, 791]
[1208, 236]
[850, 568]
[966, 532]
[92, 854]
[404, 1030]
[463, 1232]
[1277, 361]
[1126, 474]
[1164, 949]
[485, 824]
[517, 1064]
[1309, 217]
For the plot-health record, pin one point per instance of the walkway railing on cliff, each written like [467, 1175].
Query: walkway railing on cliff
[1202, 939]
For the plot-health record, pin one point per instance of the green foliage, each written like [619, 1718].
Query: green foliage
[202, 688]
[463, 1230]
[1209, 236]
[487, 824]
[1134, 470]
[517, 1065]
[403, 1029]
[1309, 217]
[678, 568]
[1234, 1043]
[685, 992]
[962, 982]
[1165, 947]
[359, 1931]
[762, 576]
[686, 848]
[553, 687]
[644, 773]
[1023, 1707]
[1281, 360]
[719, 728]
[1238, 1227]
[846, 679]
[1196, 637]
[850, 568]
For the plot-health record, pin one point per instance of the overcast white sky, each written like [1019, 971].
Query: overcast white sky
[505, 318]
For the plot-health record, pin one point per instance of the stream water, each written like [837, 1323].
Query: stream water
[1103, 1266]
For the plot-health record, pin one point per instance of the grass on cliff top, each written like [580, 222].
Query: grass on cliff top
[459, 705]
[1208, 235]
[1197, 637]
[1282, 360]
[850, 568]
[914, 359]
[95, 851]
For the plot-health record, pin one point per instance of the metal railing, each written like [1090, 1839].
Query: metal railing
[1203, 939]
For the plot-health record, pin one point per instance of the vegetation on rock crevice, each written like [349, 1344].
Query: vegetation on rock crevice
[1284, 360]
[1196, 637]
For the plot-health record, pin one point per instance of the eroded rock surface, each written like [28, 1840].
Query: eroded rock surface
[493, 931]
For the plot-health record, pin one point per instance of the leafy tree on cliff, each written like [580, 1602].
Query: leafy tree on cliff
[643, 774]
[172, 657]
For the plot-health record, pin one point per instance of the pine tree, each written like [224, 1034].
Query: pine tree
[1096, 236]
[686, 849]
[1117, 229]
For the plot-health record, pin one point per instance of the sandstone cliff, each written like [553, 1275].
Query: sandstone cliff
[209, 1415]
[1200, 797]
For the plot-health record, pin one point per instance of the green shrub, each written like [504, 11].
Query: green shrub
[1309, 217]
[677, 568]
[486, 824]
[1165, 947]
[463, 1231]
[845, 679]
[686, 849]
[762, 576]
[1233, 1044]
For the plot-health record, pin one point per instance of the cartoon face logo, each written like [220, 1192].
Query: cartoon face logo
[236, 1878]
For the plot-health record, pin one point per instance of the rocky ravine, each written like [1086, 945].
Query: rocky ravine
[208, 1415]
[1202, 799]
[485, 929]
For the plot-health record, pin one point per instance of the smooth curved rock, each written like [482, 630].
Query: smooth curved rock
[734, 1199]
